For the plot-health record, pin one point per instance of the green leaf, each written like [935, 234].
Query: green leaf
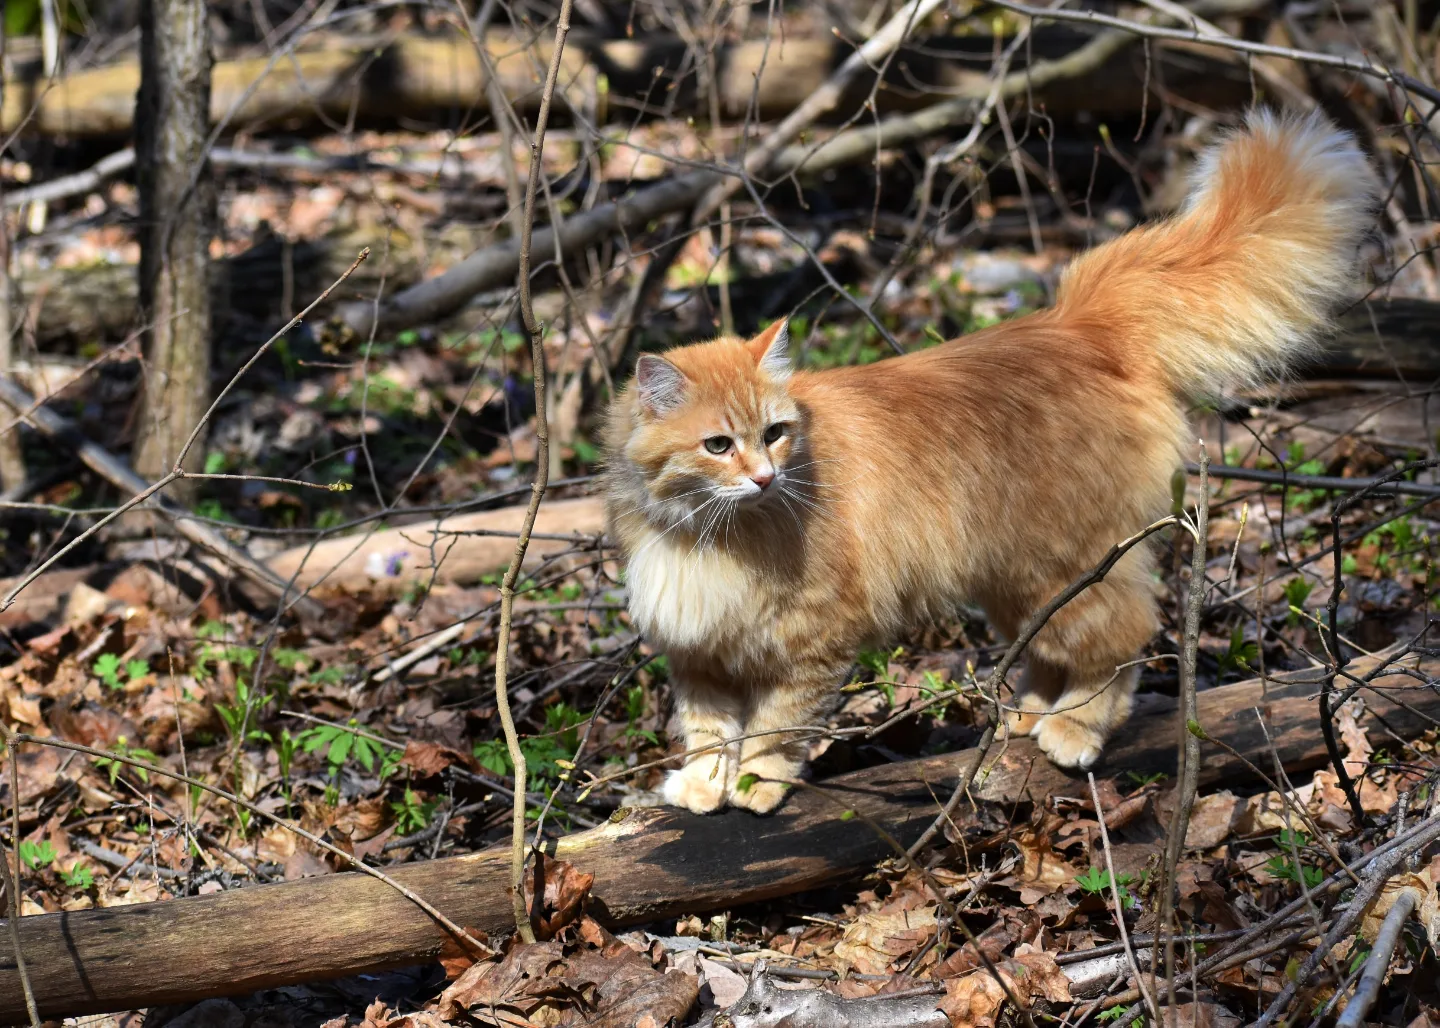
[37, 854]
[365, 752]
[78, 877]
[340, 748]
[847, 815]
[107, 669]
[746, 782]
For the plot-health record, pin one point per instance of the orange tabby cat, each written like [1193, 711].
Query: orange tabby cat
[774, 522]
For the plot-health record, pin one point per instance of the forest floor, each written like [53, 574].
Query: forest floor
[141, 649]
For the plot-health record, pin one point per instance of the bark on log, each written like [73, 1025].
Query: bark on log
[416, 76]
[439, 551]
[648, 864]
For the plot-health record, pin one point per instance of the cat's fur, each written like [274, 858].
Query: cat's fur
[993, 469]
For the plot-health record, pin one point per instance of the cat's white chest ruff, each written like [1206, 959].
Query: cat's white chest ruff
[681, 597]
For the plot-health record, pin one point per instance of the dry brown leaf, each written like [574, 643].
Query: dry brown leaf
[1042, 977]
[1352, 735]
[506, 991]
[457, 957]
[431, 758]
[994, 941]
[23, 709]
[609, 987]
[973, 1001]
[565, 890]
[303, 864]
[1044, 870]
[1210, 820]
[1427, 904]
[1204, 1015]
[875, 941]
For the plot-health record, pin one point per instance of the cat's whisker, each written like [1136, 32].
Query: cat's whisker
[814, 506]
[688, 518]
[653, 503]
[785, 501]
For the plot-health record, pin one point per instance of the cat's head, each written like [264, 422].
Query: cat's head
[712, 426]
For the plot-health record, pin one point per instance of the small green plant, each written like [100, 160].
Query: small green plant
[1097, 882]
[1110, 1014]
[877, 661]
[1297, 591]
[542, 753]
[288, 660]
[121, 749]
[78, 876]
[1142, 780]
[237, 717]
[285, 747]
[412, 813]
[332, 675]
[634, 711]
[212, 510]
[37, 854]
[1285, 867]
[108, 669]
[1241, 653]
[339, 742]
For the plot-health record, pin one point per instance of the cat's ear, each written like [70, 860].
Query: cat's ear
[772, 350]
[661, 385]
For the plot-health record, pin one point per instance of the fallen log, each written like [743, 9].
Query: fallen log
[648, 863]
[417, 76]
[455, 550]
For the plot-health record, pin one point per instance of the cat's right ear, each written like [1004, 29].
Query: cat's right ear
[661, 385]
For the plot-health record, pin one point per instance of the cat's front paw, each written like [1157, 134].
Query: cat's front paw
[699, 787]
[1024, 718]
[1069, 743]
[761, 797]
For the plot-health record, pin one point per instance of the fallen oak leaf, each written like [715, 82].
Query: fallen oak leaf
[563, 890]
[973, 1001]
[875, 941]
[431, 758]
[1043, 978]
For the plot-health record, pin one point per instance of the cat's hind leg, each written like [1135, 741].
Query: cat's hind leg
[1088, 640]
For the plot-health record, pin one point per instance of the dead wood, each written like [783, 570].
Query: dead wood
[766, 1005]
[648, 863]
[457, 550]
[418, 76]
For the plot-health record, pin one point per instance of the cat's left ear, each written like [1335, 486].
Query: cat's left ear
[772, 350]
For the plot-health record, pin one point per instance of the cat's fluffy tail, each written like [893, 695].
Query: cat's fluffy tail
[1237, 285]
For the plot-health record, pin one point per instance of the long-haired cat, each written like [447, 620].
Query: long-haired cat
[774, 521]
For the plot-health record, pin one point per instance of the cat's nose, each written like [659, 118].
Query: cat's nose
[763, 478]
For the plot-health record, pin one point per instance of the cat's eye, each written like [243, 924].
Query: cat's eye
[774, 432]
[718, 444]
